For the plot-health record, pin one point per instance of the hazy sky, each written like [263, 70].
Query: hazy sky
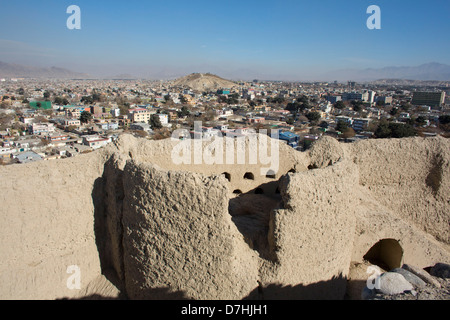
[245, 38]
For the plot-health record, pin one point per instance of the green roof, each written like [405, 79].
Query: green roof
[44, 105]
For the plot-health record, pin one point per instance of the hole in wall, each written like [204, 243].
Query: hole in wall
[270, 174]
[386, 253]
[249, 176]
[227, 176]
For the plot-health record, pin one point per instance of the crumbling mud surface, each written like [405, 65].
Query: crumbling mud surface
[139, 226]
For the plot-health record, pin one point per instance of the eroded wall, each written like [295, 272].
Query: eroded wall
[178, 231]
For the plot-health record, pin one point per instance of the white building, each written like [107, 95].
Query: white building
[41, 128]
[95, 142]
[163, 118]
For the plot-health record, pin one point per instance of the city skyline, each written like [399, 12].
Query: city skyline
[292, 40]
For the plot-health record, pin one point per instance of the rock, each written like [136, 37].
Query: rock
[441, 270]
[422, 274]
[393, 283]
[410, 277]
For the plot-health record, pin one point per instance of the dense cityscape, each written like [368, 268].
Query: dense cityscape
[44, 119]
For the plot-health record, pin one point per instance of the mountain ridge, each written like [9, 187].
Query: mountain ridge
[11, 70]
[424, 72]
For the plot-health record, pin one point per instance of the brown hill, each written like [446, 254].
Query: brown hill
[204, 82]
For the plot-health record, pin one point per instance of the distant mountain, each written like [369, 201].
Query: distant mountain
[204, 82]
[424, 72]
[122, 76]
[9, 70]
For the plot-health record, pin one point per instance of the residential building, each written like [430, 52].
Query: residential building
[108, 125]
[349, 96]
[26, 120]
[255, 120]
[115, 112]
[140, 115]
[346, 120]
[41, 128]
[384, 99]
[141, 126]
[95, 142]
[163, 118]
[333, 99]
[72, 122]
[26, 157]
[290, 138]
[361, 124]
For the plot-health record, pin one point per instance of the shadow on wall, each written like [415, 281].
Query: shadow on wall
[323, 290]
[251, 214]
[154, 294]
[107, 232]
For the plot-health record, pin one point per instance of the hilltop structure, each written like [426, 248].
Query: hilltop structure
[139, 226]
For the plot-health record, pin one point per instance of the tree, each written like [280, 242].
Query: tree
[339, 105]
[184, 112]
[58, 100]
[393, 111]
[394, 130]
[421, 120]
[182, 99]
[400, 130]
[383, 130]
[290, 121]
[341, 126]
[324, 125]
[444, 123]
[348, 133]
[85, 117]
[303, 99]
[87, 100]
[313, 116]
[380, 103]
[444, 119]
[357, 105]
[155, 122]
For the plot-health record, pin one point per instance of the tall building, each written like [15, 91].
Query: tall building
[371, 97]
[348, 96]
[432, 99]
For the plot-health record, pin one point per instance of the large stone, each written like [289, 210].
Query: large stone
[422, 274]
[393, 283]
[441, 270]
[410, 277]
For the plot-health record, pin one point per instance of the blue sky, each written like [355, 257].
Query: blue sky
[245, 38]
